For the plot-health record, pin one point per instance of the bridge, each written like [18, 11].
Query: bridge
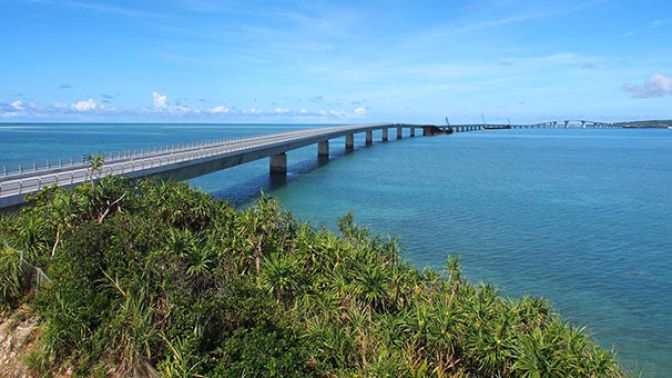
[568, 124]
[565, 124]
[189, 161]
[193, 160]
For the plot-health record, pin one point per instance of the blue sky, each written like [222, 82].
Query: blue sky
[340, 61]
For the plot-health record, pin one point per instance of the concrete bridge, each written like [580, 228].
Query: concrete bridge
[564, 124]
[568, 124]
[189, 161]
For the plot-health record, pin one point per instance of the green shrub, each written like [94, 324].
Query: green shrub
[148, 275]
[14, 276]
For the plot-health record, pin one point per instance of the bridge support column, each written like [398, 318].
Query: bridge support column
[279, 164]
[426, 131]
[385, 135]
[369, 137]
[400, 132]
[349, 142]
[412, 131]
[323, 150]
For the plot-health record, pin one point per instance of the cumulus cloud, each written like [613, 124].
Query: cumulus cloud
[360, 111]
[85, 105]
[17, 105]
[159, 101]
[658, 85]
[219, 109]
[281, 110]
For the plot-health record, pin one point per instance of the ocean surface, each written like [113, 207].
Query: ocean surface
[581, 217]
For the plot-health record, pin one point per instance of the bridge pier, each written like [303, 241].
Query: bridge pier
[350, 142]
[385, 135]
[323, 150]
[400, 132]
[279, 165]
[412, 132]
[369, 137]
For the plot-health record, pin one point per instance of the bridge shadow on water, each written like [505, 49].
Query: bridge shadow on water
[246, 191]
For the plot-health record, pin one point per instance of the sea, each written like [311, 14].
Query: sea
[581, 217]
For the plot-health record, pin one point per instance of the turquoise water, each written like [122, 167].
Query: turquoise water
[581, 217]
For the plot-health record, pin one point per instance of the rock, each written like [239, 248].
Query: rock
[17, 332]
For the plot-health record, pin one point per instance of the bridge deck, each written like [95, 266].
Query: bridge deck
[180, 163]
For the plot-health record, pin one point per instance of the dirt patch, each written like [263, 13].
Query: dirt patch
[17, 334]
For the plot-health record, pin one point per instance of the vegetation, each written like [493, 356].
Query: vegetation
[146, 277]
[646, 124]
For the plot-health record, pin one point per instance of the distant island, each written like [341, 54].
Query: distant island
[652, 124]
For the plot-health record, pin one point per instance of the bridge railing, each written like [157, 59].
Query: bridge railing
[118, 167]
[9, 171]
[153, 158]
[15, 171]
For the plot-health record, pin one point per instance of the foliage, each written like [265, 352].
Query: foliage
[148, 276]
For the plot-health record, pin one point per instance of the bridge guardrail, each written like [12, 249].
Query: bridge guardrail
[122, 166]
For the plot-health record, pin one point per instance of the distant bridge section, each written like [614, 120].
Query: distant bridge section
[564, 124]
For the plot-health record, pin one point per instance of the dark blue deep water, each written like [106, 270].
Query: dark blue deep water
[581, 217]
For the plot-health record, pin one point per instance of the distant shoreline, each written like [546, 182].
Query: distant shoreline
[653, 124]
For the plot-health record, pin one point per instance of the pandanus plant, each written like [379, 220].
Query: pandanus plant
[96, 163]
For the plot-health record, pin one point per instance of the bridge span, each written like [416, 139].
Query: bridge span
[189, 161]
[185, 162]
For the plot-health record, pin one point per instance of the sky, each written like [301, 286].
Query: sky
[334, 61]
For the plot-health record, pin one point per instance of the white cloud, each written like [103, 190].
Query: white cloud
[85, 105]
[303, 111]
[658, 85]
[255, 111]
[219, 109]
[360, 111]
[160, 101]
[18, 105]
[281, 110]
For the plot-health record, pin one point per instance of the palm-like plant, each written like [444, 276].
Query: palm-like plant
[96, 163]
[279, 277]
